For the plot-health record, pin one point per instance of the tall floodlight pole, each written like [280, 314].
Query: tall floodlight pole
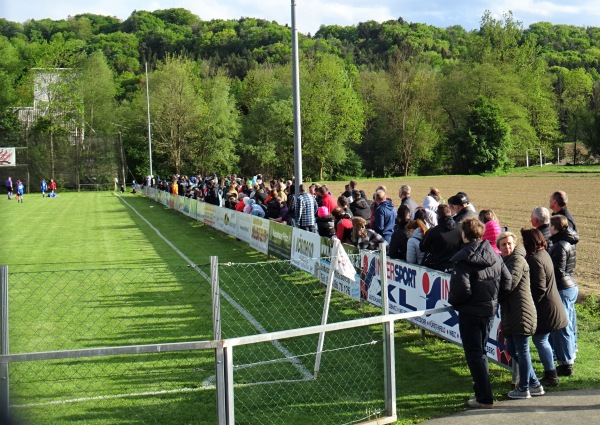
[296, 102]
[149, 129]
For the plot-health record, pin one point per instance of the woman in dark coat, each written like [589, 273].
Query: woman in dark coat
[550, 311]
[359, 206]
[564, 341]
[442, 241]
[325, 223]
[518, 315]
[399, 241]
[477, 277]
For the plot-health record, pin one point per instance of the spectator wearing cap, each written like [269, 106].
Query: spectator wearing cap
[325, 222]
[558, 205]
[470, 206]
[405, 198]
[459, 205]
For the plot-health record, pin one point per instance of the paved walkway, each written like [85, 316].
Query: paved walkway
[554, 408]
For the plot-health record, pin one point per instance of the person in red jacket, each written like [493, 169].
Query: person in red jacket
[52, 187]
[326, 199]
[343, 225]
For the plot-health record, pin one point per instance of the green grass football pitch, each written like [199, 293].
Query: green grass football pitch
[89, 270]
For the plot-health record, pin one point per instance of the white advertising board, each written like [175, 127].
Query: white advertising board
[306, 248]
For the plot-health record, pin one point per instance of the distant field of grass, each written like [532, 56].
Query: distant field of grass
[86, 271]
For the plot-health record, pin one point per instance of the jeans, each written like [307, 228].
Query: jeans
[564, 341]
[474, 332]
[518, 348]
[544, 349]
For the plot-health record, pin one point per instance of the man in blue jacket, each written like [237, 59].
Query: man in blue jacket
[384, 215]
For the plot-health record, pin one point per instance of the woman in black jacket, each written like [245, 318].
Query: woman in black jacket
[399, 240]
[564, 341]
[550, 312]
[441, 242]
[359, 206]
[325, 223]
[477, 277]
[518, 315]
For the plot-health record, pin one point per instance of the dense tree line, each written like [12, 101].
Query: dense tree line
[377, 99]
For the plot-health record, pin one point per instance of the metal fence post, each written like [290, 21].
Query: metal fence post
[228, 353]
[219, 353]
[4, 390]
[389, 354]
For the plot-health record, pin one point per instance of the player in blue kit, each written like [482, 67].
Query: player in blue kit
[44, 187]
[20, 191]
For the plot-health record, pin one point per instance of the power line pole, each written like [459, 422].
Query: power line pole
[296, 102]
[149, 128]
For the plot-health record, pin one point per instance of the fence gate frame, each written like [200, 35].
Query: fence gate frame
[223, 350]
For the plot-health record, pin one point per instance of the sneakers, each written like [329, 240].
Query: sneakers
[537, 391]
[474, 404]
[519, 393]
[564, 370]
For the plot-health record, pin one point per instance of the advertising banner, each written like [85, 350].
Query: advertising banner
[349, 287]
[412, 288]
[8, 157]
[226, 220]
[186, 205]
[200, 210]
[280, 240]
[193, 208]
[209, 214]
[260, 234]
[244, 226]
[306, 247]
[219, 216]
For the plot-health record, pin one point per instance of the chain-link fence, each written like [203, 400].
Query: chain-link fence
[276, 382]
[87, 309]
[155, 345]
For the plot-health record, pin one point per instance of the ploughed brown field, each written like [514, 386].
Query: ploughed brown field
[512, 198]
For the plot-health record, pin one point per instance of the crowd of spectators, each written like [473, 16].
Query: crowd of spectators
[447, 236]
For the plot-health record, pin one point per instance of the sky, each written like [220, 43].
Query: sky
[310, 14]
